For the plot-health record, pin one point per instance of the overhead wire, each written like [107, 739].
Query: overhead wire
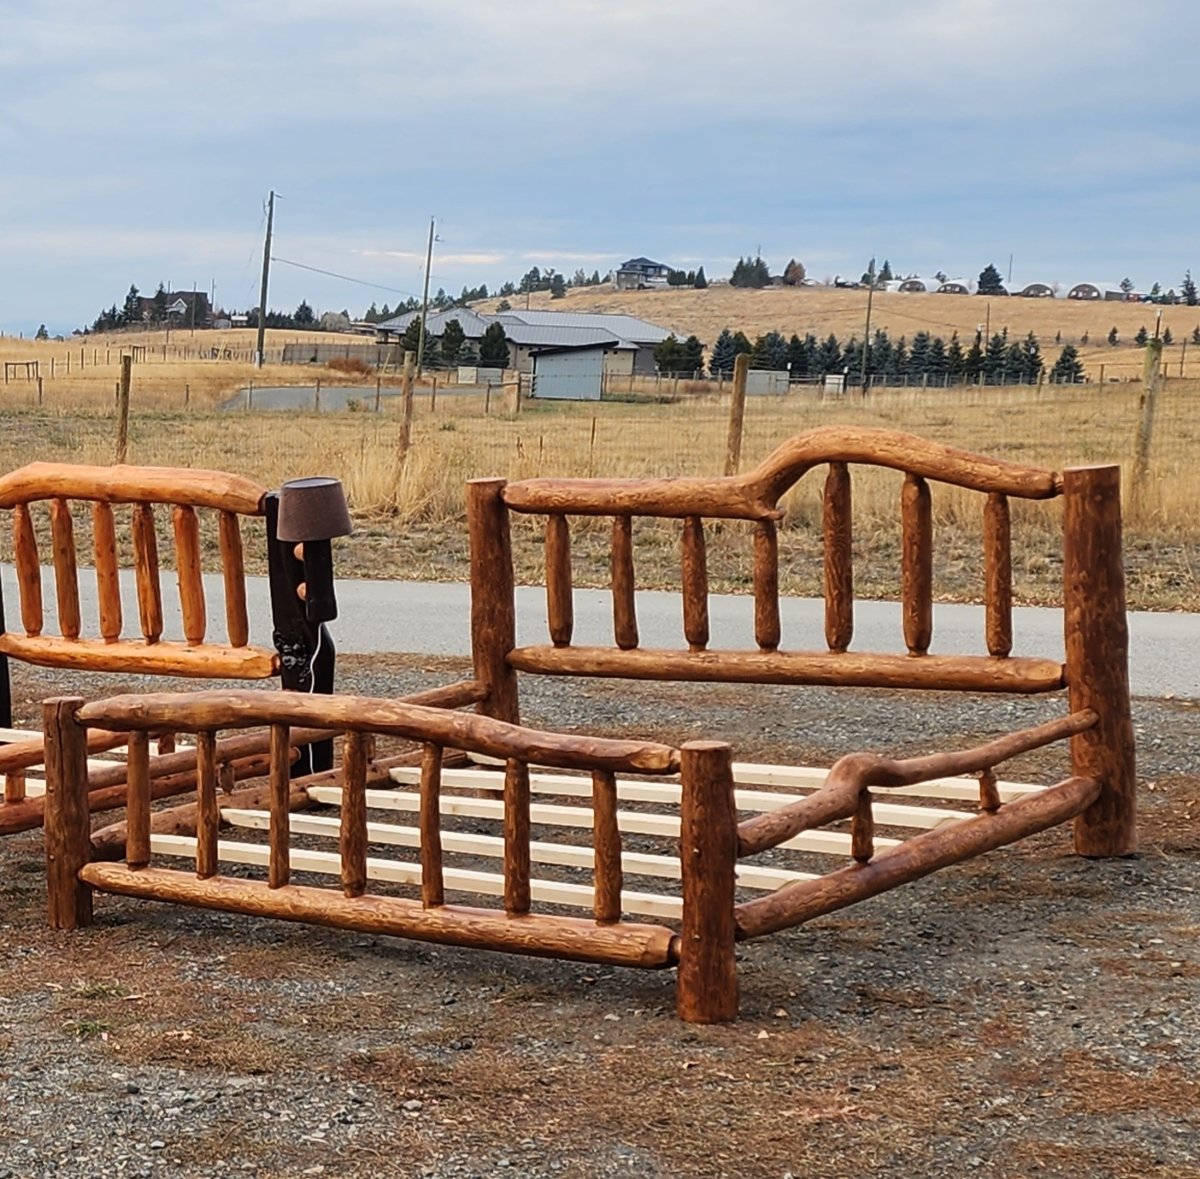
[344, 277]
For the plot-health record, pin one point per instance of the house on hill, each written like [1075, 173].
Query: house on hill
[179, 309]
[639, 273]
[956, 286]
[1107, 291]
[1035, 290]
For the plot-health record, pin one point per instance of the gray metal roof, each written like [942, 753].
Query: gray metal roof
[471, 322]
[555, 336]
[627, 327]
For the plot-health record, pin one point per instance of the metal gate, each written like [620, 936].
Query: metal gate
[574, 375]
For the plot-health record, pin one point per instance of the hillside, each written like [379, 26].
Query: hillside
[822, 310]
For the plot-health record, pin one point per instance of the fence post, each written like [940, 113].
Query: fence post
[737, 413]
[378, 391]
[1151, 382]
[410, 360]
[123, 408]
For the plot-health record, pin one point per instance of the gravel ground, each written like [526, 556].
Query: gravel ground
[1024, 1014]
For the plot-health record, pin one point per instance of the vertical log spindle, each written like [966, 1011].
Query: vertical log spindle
[916, 574]
[68, 826]
[108, 579]
[208, 814]
[433, 890]
[862, 829]
[493, 603]
[838, 534]
[353, 841]
[66, 575]
[279, 866]
[14, 786]
[233, 572]
[516, 837]
[187, 568]
[29, 573]
[695, 583]
[559, 599]
[989, 794]
[137, 800]
[625, 627]
[766, 585]
[606, 847]
[997, 573]
[145, 559]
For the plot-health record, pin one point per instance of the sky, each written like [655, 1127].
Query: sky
[139, 140]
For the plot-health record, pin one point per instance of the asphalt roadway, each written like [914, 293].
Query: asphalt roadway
[433, 619]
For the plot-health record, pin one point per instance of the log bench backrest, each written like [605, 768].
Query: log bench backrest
[184, 491]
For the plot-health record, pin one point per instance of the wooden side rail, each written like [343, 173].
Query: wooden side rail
[851, 778]
[184, 490]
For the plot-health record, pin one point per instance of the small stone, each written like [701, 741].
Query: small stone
[412, 1105]
[158, 1144]
[130, 1087]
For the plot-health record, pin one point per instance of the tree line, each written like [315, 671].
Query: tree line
[925, 358]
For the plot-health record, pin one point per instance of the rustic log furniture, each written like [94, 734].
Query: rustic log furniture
[735, 880]
[189, 494]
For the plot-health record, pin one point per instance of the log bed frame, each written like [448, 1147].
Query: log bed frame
[725, 894]
[188, 493]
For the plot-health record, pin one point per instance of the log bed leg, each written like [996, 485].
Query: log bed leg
[707, 988]
[1097, 650]
[68, 821]
[493, 604]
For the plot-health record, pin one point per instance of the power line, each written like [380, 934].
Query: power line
[344, 277]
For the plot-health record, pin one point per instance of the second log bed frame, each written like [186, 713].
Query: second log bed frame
[696, 928]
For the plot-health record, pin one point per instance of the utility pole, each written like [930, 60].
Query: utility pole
[262, 297]
[425, 300]
[867, 328]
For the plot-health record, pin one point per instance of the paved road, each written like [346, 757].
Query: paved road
[433, 619]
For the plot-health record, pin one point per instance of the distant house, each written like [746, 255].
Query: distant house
[1096, 290]
[639, 273]
[179, 308]
[911, 286]
[1035, 290]
[955, 286]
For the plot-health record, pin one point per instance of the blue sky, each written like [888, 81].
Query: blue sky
[139, 140]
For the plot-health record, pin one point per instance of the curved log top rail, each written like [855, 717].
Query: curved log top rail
[190, 487]
[211, 710]
[755, 495]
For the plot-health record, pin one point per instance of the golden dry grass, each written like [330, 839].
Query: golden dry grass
[821, 311]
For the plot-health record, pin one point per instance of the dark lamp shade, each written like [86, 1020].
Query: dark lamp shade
[312, 509]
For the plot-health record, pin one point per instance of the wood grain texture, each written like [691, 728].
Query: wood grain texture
[837, 531]
[137, 810]
[694, 583]
[241, 708]
[916, 570]
[14, 786]
[493, 606]
[233, 573]
[279, 788]
[108, 580]
[767, 630]
[29, 570]
[560, 606]
[68, 846]
[516, 837]
[973, 673]
[130, 484]
[997, 574]
[187, 568]
[625, 627]
[143, 658]
[862, 829]
[353, 839]
[145, 563]
[916, 857]
[433, 889]
[1097, 648]
[707, 988]
[606, 847]
[575, 939]
[208, 815]
[66, 574]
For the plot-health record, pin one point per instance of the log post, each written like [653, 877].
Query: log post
[67, 822]
[625, 627]
[353, 833]
[707, 989]
[516, 838]
[123, 409]
[1097, 657]
[606, 846]
[766, 586]
[916, 573]
[694, 578]
[108, 579]
[559, 598]
[433, 889]
[493, 605]
[838, 537]
[997, 575]
[406, 419]
[737, 413]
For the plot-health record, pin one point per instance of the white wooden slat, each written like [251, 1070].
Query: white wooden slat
[670, 793]
[564, 854]
[552, 815]
[549, 892]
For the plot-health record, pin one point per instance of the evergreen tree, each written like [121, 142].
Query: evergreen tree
[1127, 286]
[898, 362]
[770, 352]
[1032, 359]
[741, 343]
[1068, 368]
[432, 356]
[1167, 338]
[453, 339]
[880, 357]
[1142, 337]
[918, 356]
[720, 362]
[580, 279]
[372, 313]
[42, 334]
[797, 357]
[829, 356]
[1156, 291]
[1196, 335]
[955, 360]
[973, 361]
[852, 358]
[158, 312]
[1014, 372]
[410, 341]
[506, 290]
[750, 272]
[937, 363]
[990, 282]
[885, 274]
[994, 358]
[1113, 337]
[468, 355]
[1188, 290]
[700, 282]
[531, 280]
[558, 288]
[131, 311]
[693, 356]
[493, 347]
[793, 273]
[385, 313]
[668, 355]
[303, 315]
[940, 276]
[594, 281]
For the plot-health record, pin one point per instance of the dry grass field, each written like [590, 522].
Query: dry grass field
[821, 311]
[410, 515]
